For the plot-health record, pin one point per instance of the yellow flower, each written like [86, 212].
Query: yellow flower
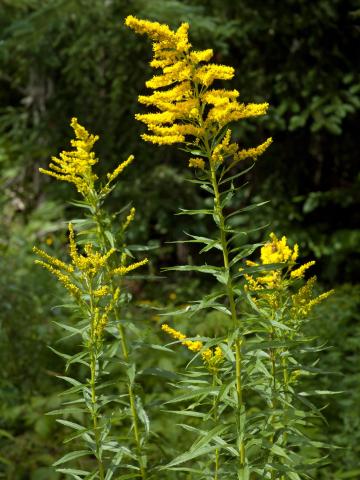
[76, 166]
[186, 106]
[276, 251]
[253, 152]
[122, 270]
[62, 277]
[197, 163]
[278, 281]
[299, 272]
[212, 358]
[90, 263]
[101, 322]
[129, 218]
[112, 176]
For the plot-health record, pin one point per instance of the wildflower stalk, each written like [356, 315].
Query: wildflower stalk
[93, 280]
[98, 215]
[282, 307]
[216, 417]
[230, 295]
[93, 370]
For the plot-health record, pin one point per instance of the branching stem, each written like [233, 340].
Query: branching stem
[125, 352]
[230, 294]
[94, 409]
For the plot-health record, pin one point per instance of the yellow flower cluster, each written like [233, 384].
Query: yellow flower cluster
[92, 262]
[123, 270]
[299, 272]
[100, 322]
[129, 218]
[197, 163]
[76, 166]
[277, 251]
[303, 301]
[211, 357]
[274, 283]
[182, 96]
[63, 278]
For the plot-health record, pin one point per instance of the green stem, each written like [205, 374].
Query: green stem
[94, 410]
[94, 414]
[284, 365]
[217, 452]
[230, 295]
[125, 351]
[134, 414]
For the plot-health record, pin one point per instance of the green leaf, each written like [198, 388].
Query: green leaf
[143, 417]
[70, 380]
[71, 456]
[131, 372]
[237, 175]
[67, 423]
[72, 471]
[247, 209]
[194, 212]
[67, 411]
[216, 271]
[185, 457]
[194, 394]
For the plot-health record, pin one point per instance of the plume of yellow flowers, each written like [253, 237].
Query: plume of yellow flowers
[90, 264]
[211, 357]
[186, 103]
[272, 285]
[76, 166]
[82, 271]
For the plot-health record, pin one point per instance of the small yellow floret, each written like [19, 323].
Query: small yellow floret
[197, 163]
[63, 278]
[276, 251]
[112, 176]
[253, 152]
[299, 272]
[129, 218]
[122, 270]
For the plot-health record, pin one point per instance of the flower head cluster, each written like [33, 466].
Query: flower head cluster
[211, 357]
[85, 277]
[89, 264]
[272, 286]
[185, 102]
[76, 166]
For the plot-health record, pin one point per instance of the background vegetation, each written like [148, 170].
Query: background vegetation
[64, 58]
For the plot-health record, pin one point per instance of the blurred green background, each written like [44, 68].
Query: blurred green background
[64, 58]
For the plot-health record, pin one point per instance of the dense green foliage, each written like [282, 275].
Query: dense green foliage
[62, 58]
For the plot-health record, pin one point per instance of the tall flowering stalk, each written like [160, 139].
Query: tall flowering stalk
[282, 302]
[93, 278]
[256, 364]
[190, 112]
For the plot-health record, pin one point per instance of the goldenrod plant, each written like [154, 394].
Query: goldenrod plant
[99, 262]
[240, 435]
[282, 302]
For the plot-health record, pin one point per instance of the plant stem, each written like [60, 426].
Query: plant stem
[94, 410]
[124, 347]
[230, 295]
[94, 414]
[284, 365]
[217, 453]
[134, 414]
